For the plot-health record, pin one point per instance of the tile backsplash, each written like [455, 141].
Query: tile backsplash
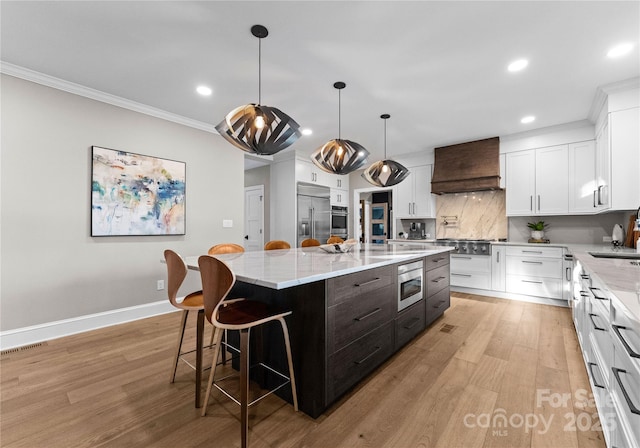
[479, 215]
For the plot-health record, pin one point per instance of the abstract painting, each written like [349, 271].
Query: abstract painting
[134, 194]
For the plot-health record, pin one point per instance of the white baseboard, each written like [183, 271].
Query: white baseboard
[511, 296]
[53, 330]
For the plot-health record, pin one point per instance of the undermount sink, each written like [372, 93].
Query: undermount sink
[621, 255]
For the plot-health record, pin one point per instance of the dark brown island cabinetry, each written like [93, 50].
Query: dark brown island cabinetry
[343, 327]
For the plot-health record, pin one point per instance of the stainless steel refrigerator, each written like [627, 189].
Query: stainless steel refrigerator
[314, 212]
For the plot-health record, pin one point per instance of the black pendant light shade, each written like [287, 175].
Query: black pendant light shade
[256, 128]
[385, 173]
[340, 156]
[273, 132]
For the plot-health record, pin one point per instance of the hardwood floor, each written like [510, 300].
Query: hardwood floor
[490, 373]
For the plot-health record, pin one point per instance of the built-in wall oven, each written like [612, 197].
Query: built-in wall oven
[339, 218]
[410, 284]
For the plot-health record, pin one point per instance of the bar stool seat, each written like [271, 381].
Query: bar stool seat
[243, 315]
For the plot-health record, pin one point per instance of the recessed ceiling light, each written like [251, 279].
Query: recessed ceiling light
[620, 50]
[518, 65]
[204, 90]
[307, 131]
[528, 119]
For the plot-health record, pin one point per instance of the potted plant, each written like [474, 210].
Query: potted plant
[537, 229]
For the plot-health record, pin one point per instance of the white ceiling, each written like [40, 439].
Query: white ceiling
[439, 68]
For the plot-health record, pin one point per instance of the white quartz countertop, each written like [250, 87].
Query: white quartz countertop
[284, 268]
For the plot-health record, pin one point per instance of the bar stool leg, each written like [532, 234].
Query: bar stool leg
[216, 351]
[176, 358]
[244, 387]
[199, 338]
[287, 345]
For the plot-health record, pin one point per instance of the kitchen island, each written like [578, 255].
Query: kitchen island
[345, 317]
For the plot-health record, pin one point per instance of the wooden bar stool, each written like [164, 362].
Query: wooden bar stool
[277, 244]
[225, 248]
[176, 273]
[335, 240]
[242, 315]
[310, 242]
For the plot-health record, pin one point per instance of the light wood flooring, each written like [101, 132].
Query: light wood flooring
[475, 378]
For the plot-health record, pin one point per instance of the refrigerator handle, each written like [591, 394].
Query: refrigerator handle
[313, 222]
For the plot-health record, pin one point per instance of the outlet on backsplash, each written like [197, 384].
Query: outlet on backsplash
[479, 215]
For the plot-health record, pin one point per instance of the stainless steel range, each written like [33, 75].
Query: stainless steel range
[467, 246]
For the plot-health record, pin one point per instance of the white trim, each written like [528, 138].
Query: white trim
[87, 92]
[511, 296]
[66, 327]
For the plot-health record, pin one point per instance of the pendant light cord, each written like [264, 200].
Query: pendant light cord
[259, 71]
[339, 118]
[385, 139]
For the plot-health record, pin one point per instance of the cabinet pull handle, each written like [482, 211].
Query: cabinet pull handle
[457, 257]
[593, 377]
[584, 276]
[438, 260]
[531, 251]
[596, 296]
[377, 349]
[368, 282]
[567, 274]
[461, 275]
[438, 279]
[369, 314]
[531, 202]
[412, 323]
[594, 198]
[595, 326]
[600, 194]
[538, 202]
[439, 303]
[498, 257]
[532, 262]
[627, 347]
[531, 281]
[616, 373]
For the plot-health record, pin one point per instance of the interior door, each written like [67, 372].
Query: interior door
[254, 218]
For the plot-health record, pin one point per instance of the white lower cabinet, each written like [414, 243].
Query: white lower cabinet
[534, 271]
[470, 271]
[610, 345]
[498, 268]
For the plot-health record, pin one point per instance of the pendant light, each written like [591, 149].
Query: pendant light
[385, 173]
[340, 156]
[256, 128]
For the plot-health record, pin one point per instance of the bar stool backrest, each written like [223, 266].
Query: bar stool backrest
[217, 281]
[310, 242]
[277, 244]
[176, 272]
[225, 248]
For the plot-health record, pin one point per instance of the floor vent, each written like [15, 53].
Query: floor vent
[446, 328]
[22, 349]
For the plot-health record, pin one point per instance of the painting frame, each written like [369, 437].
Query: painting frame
[135, 194]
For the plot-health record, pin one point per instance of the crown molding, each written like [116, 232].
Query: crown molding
[604, 91]
[97, 95]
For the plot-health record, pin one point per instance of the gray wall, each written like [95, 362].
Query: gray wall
[262, 176]
[51, 268]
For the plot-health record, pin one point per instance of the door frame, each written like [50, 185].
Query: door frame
[356, 203]
[260, 189]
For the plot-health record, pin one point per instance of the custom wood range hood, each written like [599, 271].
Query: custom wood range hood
[471, 166]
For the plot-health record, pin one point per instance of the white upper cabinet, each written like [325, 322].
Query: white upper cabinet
[624, 140]
[520, 182]
[412, 197]
[308, 172]
[340, 197]
[537, 182]
[602, 169]
[582, 178]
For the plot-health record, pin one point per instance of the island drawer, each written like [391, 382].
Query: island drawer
[349, 365]
[357, 316]
[535, 266]
[437, 279]
[409, 323]
[436, 305]
[342, 288]
[530, 251]
[437, 260]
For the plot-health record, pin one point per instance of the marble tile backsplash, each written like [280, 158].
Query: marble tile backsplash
[479, 215]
